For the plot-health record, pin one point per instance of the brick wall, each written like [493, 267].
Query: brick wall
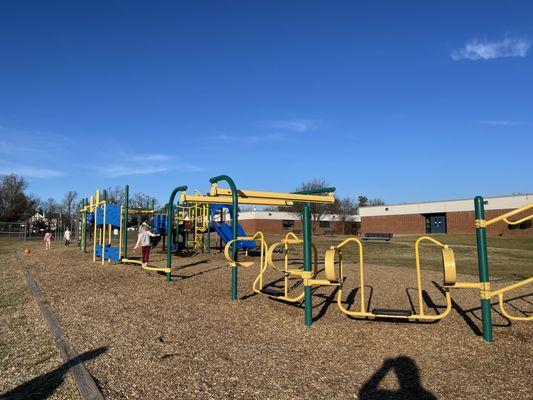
[456, 222]
[272, 226]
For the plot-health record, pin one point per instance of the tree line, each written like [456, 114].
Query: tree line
[16, 205]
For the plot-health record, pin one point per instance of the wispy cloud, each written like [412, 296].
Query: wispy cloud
[30, 172]
[150, 158]
[251, 139]
[114, 171]
[296, 125]
[498, 123]
[476, 49]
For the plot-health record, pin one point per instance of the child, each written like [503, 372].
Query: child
[66, 237]
[48, 240]
[144, 241]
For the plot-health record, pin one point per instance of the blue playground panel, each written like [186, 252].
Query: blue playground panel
[90, 217]
[112, 215]
[160, 224]
[111, 253]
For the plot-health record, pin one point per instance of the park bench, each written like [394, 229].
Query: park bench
[387, 237]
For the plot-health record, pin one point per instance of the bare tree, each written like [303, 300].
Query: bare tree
[69, 205]
[115, 194]
[143, 201]
[345, 209]
[317, 210]
[50, 207]
[376, 201]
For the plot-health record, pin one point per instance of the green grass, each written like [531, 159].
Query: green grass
[508, 257]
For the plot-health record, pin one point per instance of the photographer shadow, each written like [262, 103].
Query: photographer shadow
[408, 377]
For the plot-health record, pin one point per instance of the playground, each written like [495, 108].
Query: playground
[188, 339]
[222, 313]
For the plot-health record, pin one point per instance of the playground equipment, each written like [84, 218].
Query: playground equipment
[235, 197]
[334, 271]
[107, 224]
[223, 229]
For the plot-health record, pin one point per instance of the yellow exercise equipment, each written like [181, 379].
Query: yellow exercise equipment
[335, 277]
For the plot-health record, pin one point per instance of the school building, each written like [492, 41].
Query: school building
[449, 216]
[279, 222]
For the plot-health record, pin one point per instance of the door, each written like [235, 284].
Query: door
[437, 223]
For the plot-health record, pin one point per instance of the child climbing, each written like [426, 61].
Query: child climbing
[66, 237]
[48, 240]
[144, 241]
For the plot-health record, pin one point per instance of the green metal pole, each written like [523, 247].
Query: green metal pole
[483, 265]
[208, 229]
[235, 224]
[170, 220]
[307, 231]
[83, 226]
[125, 226]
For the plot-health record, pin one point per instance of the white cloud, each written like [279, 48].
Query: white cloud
[30, 172]
[297, 125]
[499, 123]
[486, 50]
[117, 170]
[114, 171]
[150, 158]
[250, 139]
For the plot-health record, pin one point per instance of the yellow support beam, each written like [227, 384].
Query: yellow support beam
[254, 194]
[228, 200]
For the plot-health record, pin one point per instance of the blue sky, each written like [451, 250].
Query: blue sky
[402, 101]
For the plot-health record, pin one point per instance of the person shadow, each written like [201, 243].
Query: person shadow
[45, 385]
[408, 376]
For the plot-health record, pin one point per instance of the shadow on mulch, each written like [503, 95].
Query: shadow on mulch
[45, 385]
[408, 376]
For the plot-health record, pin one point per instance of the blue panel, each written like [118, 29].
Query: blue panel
[111, 253]
[112, 215]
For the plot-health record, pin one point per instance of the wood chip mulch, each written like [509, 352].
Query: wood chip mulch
[187, 339]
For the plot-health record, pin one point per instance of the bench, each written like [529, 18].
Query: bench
[329, 232]
[387, 237]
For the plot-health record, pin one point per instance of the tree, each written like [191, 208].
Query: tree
[15, 205]
[345, 209]
[115, 194]
[69, 205]
[362, 201]
[376, 201]
[50, 206]
[143, 201]
[317, 210]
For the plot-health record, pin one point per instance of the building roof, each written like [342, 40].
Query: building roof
[282, 215]
[430, 207]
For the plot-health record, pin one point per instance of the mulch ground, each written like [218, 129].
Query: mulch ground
[187, 339]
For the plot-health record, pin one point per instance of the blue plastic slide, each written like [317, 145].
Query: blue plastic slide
[225, 231]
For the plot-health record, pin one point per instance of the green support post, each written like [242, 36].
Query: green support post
[235, 224]
[170, 220]
[83, 226]
[308, 267]
[125, 224]
[307, 228]
[483, 265]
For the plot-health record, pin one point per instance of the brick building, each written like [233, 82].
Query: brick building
[451, 216]
[278, 222]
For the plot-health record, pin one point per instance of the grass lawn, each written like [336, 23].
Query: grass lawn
[509, 257]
